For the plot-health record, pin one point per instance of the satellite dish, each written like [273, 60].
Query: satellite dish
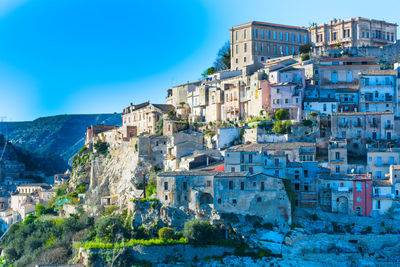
[352, 171]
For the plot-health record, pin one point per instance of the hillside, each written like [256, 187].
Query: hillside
[52, 141]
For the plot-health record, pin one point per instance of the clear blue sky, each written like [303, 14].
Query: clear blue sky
[97, 56]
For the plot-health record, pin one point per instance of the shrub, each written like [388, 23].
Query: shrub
[62, 190]
[109, 229]
[281, 114]
[198, 232]
[166, 233]
[101, 147]
[305, 57]
[40, 209]
[307, 123]
[109, 210]
[81, 189]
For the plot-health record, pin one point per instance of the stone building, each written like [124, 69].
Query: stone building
[353, 32]
[93, 130]
[340, 161]
[240, 193]
[177, 95]
[379, 161]
[377, 91]
[343, 72]
[346, 194]
[152, 149]
[255, 42]
[145, 116]
[179, 145]
[363, 125]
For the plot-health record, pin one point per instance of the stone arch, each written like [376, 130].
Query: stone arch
[206, 198]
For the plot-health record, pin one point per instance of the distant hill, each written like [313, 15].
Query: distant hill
[52, 141]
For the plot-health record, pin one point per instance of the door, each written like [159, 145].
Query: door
[342, 205]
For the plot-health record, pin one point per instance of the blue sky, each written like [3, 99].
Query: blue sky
[97, 56]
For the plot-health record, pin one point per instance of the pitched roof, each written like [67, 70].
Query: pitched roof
[164, 107]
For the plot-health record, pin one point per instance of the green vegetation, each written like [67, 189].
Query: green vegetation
[110, 210]
[166, 233]
[151, 187]
[131, 243]
[305, 49]
[199, 232]
[101, 147]
[281, 114]
[222, 62]
[290, 192]
[307, 123]
[159, 127]
[280, 127]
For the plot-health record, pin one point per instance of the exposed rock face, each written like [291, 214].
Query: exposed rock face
[54, 140]
[114, 176]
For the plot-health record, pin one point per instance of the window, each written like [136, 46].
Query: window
[337, 169]
[378, 204]
[359, 186]
[262, 34]
[287, 50]
[305, 39]
[255, 33]
[244, 59]
[184, 185]
[293, 37]
[306, 188]
[232, 169]
[230, 185]
[166, 197]
[165, 185]
[296, 187]
[245, 47]
[305, 173]
[262, 51]
[274, 34]
[334, 77]
[287, 36]
[237, 49]
[245, 34]
[337, 155]
[250, 158]
[234, 201]
[286, 101]
[324, 107]
[242, 186]
[208, 183]
[334, 36]
[237, 36]
[259, 199]
[299, 38]
[256, 47]
[358, 199]
[262, 186]
[219, 201]
[281, 36]
[269, 35]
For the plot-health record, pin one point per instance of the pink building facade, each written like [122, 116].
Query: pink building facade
[362, 196]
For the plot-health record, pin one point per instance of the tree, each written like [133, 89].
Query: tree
[109, 228]
[198, 232]
[101, 147]
[208, 71]
[166, 233]
[305, 49]
[223, 60]
[40, 209]
[281, 114]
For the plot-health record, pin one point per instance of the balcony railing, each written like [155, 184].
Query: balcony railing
[389, 127]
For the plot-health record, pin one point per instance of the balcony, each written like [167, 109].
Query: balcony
[391, 196]
[389, 127]
[343, 125]
[358, 125]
